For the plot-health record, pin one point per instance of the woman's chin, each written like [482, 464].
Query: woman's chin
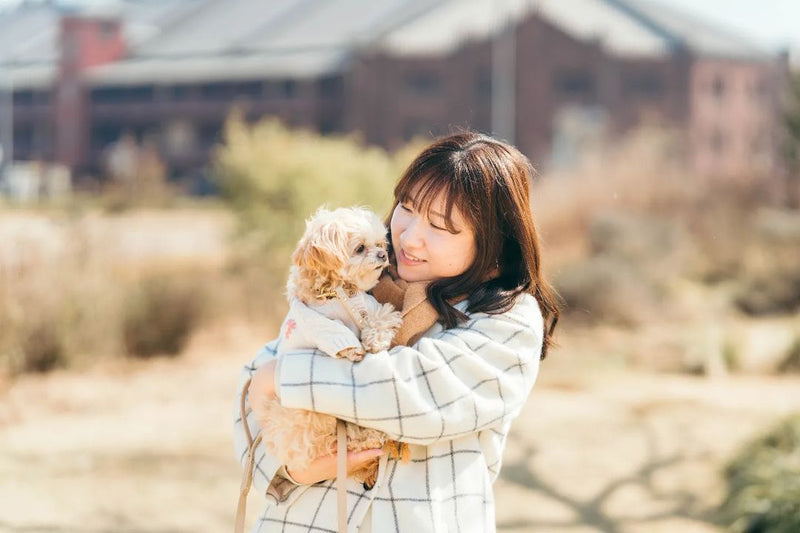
[410, 274]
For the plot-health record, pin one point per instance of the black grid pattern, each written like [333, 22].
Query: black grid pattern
[452, 396]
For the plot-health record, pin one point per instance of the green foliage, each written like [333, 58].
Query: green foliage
[764, 483]
[274, 178]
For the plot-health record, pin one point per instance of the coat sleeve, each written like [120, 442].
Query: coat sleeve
[265, 481]
[448, 385]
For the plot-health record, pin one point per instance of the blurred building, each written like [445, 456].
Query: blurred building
[168, 72]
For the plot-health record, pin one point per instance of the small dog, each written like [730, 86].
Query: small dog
[340, 256]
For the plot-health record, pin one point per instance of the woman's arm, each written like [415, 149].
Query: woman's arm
[462, 380]
[266, 472]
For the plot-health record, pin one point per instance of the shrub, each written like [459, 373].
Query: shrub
[791, 362]
[37, 346]
[764, 483]
[67, 298]
[605, 288]
[273, 179]
[769, 293]
[160, 312]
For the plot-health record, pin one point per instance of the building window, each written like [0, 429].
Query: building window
[210, 134]
[250, 89]
[718, 87]
[23, 139]
[107, 30]
[216, 91]
[23, 98]
[103, 135]
[330, 87]
[289, 88]
[423, 83]
[179, 92]
[644, 85]
[575, 84]
[122, 95]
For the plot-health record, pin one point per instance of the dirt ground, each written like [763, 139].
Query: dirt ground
[146, 446]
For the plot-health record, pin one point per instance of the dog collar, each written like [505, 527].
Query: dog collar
[330, 294]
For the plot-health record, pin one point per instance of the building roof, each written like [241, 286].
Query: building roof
[696, 35]
[239, 39]
[447, 26]
[190, 40]
[625, 28]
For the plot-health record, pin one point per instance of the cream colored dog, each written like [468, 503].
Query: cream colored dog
[340, 256]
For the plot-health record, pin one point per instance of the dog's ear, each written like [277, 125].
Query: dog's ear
[322, 251]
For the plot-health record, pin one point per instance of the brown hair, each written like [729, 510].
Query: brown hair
[489, 181]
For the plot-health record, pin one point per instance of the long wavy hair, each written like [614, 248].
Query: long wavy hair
[489, 181]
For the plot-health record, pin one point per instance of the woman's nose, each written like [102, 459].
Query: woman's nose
[411, 236]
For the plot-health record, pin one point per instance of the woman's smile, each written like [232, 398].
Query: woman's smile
[408, 258]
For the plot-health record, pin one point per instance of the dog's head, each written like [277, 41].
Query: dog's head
[344, 247]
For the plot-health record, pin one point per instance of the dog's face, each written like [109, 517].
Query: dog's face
[343, 245]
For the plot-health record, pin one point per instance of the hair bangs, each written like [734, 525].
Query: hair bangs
[421, 189]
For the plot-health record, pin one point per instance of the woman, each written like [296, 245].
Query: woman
[461, 225]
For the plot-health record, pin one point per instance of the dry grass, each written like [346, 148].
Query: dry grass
[75, 289]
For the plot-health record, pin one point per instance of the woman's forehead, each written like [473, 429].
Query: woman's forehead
[439, 202]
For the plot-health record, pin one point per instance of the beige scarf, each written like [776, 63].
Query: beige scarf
[412, 300]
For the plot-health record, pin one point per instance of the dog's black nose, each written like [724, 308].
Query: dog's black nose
[382, 255]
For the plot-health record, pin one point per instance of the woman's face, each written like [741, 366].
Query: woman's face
[423, 246]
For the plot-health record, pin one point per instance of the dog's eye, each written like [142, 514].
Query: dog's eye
[360, 249]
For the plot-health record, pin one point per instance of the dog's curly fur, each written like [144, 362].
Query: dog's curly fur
[346, 249]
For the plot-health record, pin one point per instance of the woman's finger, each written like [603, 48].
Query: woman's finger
[324, 467]
[358, 459]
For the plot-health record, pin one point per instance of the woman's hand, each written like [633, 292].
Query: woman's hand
[324, 467]
[262, 384]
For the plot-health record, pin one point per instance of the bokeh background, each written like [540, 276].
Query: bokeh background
[158, 160]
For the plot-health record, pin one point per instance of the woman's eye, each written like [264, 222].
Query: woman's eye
[405, 207]
[360, 249]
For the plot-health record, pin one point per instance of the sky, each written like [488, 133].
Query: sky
[774, 24]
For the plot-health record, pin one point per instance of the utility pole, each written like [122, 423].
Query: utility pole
[6, 125]
[504, 78]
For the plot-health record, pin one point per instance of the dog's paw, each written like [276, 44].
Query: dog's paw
[376, 340]
[354, 353]
[387, 317]
[381, 328]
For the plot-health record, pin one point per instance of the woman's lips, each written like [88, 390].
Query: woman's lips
[406, 260]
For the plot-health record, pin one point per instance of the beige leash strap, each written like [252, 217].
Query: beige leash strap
[355, 306]
[247, 475]
[341, 475]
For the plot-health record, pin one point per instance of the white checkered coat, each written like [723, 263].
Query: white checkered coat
[452, 396]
